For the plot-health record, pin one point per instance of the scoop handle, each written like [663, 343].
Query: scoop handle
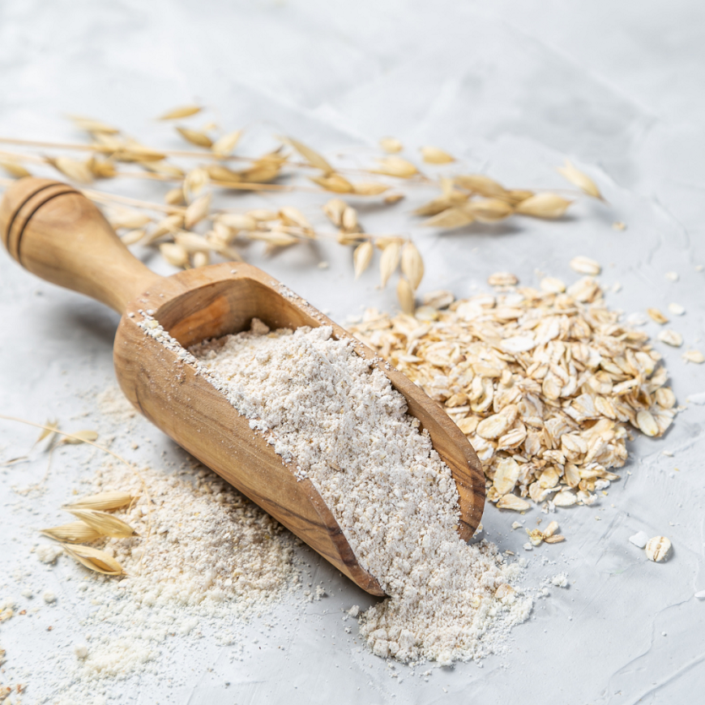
[55, 232]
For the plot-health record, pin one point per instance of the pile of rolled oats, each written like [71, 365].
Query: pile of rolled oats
[544, 383]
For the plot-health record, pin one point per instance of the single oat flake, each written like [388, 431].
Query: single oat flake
[656, 316]
[670, 337]
[502, 279]
[658, 549]
[551, 285]
[585, 265]
[694, 356]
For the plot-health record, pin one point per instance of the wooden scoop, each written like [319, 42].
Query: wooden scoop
[52, 230]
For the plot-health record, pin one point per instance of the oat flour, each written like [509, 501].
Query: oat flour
[343, 425]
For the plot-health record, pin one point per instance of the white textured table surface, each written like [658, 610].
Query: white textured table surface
[511, 87]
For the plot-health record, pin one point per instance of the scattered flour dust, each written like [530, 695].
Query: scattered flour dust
[113, 403]
[203, 551]
[205, 561]
[344, 426]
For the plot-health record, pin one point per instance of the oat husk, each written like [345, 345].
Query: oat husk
[180, 112]
[113, 499]
[73, 532]
[580, 179]
[93, 559]
[105, 524]
[78, 437]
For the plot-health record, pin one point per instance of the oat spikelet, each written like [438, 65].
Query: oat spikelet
[73, 532]
[200, 139]
[93, 559]
[349, 221]
[369, 188]
[481, 185]
[433, 155]
[93, 126]
[106, 524]
[293, 216]
[393, 198]
[166, 226]
[175, 196]
[544, 205]
[200, 259]
[239, 221]
[274, 238]
[14, 169]
[334, 182]
[222, 174]
[334, 209]
[174, 254]
[191, 242]
[101, 168]
[129, 219]
[450, 218]
[112, 499]
[262, 214]
[197, 211]
[395, 166]
[391, 145]
[362, 257]
[412, 265]
[517, 195]
[451, 199]
[195, 180]
[224, 145]
[180, 112]
[389, 261]
[405, 294]
[310, 155]
[49, 431]
[80, 437]
[489, 210]
[74, 170]
[579, 179]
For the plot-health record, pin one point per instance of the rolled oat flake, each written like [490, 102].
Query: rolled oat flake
[658, 549]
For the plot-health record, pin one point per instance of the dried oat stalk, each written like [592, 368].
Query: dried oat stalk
[191, 232]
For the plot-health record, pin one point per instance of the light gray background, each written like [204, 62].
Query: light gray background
[512, 88]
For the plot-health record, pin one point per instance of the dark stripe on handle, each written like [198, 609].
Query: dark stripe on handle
[31, 215]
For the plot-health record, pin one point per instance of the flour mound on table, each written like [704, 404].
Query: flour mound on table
[344, 426]
[205, 555]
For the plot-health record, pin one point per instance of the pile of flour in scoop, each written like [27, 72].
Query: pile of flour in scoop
[345, 427]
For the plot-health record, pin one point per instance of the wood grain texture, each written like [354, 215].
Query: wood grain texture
[204, 303]
[55, 232]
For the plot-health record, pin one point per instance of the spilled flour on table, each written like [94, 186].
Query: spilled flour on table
[323, 408]
[205, 561]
